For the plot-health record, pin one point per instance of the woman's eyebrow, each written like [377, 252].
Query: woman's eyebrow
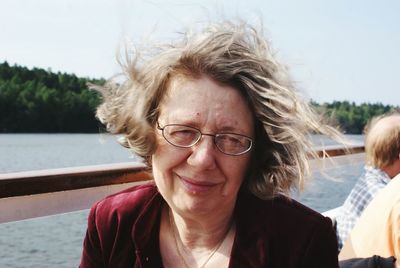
[231, 129]
[182, 121]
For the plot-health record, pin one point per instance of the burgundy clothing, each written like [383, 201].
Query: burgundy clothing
[123, 231]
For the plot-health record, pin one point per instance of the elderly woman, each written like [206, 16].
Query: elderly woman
[225, 135]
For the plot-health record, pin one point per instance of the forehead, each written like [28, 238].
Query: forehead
[202, 101]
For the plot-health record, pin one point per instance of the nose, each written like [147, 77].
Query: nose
[203, 154]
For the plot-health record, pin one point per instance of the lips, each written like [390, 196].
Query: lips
[196, 186]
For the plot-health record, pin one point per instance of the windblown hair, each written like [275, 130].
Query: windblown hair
[382, 143]
[233, 54]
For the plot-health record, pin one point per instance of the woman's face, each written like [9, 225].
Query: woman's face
[201, 179]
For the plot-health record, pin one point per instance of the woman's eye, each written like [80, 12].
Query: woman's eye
[184, 134]
[230, 141]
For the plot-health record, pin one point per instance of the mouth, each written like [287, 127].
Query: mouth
[196, 187]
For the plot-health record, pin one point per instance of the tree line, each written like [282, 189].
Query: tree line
[350, 117]
[41, 101]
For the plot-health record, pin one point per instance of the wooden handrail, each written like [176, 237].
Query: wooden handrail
[31, 194]
[334, 150]
[65, 179]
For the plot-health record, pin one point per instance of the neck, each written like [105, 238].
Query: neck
[203, 233]
[195, 243]
[393, 169]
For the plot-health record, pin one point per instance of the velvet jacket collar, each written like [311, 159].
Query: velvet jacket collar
[261, 240]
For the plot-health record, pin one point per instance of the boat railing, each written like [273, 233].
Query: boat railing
[31, 194]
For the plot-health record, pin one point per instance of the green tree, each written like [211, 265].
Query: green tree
[39, 100]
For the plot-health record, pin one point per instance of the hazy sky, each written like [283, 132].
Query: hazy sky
[336, 50]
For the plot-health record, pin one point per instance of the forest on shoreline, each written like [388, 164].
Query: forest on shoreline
[41, 101]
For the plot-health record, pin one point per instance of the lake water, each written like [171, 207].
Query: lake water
[56, 241]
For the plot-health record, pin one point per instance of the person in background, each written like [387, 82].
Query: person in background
[225, 135]
[382, 147]
[377, 232]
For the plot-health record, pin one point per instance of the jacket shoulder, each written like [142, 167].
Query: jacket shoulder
[292, 209]
[283, 209]
[283, 219]
[289, 233]
[125, 204]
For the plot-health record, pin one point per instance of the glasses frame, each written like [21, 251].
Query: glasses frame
[205, 134]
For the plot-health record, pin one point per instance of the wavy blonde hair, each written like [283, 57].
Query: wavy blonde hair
[382, 143]
[235, 54]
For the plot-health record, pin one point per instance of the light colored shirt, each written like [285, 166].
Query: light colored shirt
[377, 232]
[365, 189]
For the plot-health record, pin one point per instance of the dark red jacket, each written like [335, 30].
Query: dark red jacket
[123, 231]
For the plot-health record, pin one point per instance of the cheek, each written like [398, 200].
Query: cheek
[160, 165]
[166, 157]
[237, 170]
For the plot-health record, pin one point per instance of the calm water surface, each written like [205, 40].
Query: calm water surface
[56, 241]
[21, 152]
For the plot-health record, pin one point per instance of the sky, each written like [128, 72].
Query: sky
[335, 50]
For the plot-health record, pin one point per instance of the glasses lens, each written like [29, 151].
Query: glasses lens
[233, 144]
[182, 136]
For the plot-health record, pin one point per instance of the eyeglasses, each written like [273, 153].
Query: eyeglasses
[185, 137]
